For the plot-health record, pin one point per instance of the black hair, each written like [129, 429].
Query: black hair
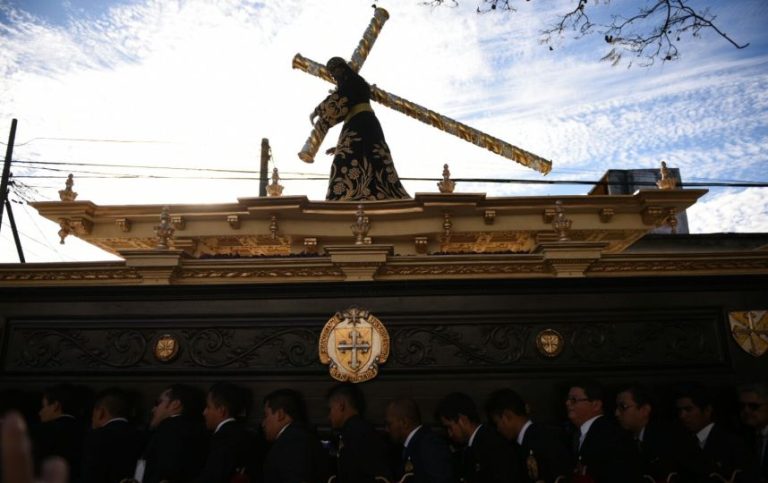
[290, 401]
[641, 395]
[505, 400]
[229, 396]
[115, 401]
[593, 390]
[454, 405]
[699, 395]
[406, 408]
[191, 398]
[351, 394]
[65, 395]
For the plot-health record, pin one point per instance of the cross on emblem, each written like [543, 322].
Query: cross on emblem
[354, 346]
[409, 108]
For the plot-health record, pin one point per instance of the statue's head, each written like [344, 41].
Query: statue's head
[338, 67]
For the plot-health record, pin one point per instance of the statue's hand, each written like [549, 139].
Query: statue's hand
[331, 151]
[312, 117]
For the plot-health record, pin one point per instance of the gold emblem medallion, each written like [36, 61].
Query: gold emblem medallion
[750, 330]
[166, 348]
[550, 343]
[354, 344]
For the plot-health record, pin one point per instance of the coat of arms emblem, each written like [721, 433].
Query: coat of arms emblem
[750, 330]
[354, 344]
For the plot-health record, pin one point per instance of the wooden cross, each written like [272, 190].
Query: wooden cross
[409, 108]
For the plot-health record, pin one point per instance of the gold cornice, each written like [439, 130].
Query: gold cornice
[190, 271]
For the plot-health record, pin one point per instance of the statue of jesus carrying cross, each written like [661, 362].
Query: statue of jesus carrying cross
[362, 166]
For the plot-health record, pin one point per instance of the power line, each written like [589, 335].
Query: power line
[91, 140]
[756, 184]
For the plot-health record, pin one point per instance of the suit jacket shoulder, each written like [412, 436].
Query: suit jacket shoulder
[491, 458]
[111, 453]
[430, 457]
[547, 445]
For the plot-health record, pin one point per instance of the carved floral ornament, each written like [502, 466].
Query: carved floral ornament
[354, 344]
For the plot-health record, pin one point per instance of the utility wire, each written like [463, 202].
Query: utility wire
[756, 184]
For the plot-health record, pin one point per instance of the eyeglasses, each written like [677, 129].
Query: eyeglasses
[752, 406]
[574, 400]
[621, 407]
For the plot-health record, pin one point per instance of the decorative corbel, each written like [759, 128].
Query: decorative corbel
[653, 215]
[179, 222]
[606, 214]
[420, 244]
[447, 226]
[234, 221]
[489, 217]
[81, 226]
[310, 246]
[124, 224]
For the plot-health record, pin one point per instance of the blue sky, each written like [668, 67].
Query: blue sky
[197, 84]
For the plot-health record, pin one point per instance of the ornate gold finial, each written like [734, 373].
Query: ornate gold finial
[273, 227]
[447, 184]
[361, 227]
[275, 188]
[671, 220]
[666, 182]
[67, 194]
[164, 230]
[560, 223]
[447, 226]
[65, 230]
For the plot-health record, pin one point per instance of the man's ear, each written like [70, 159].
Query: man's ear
[281, 414]
[57, 406]
[176, 405]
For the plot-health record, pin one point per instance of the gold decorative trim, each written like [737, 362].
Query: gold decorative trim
[420, 244]
[166, 348]
[550, 343]
[436, 269]
[69, 275]
[682, 266]
[354, 343]
[233, 274]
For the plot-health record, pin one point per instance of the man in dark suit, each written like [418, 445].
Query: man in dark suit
[542, 447]
[664, 449]
[233, 449]
[60, 433]
[179, 443]
[486, 457]
[725, 452]
[425, 455]
[604, 452]
[362, 451]
[114, 445]
[753, 401]
[295, 455]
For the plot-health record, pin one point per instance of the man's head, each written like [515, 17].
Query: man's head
[584, 402]
[753, 402]
[338, 68]
[508, 412]
[57, 401]
[694, 407]
[281, 408]
[110, 404]
[225, 400]
[459, 416]
[633, 408]
[175, 400]
[344, 401]
[401, 417]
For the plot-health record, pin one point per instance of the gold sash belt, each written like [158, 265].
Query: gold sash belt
[357, 109]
